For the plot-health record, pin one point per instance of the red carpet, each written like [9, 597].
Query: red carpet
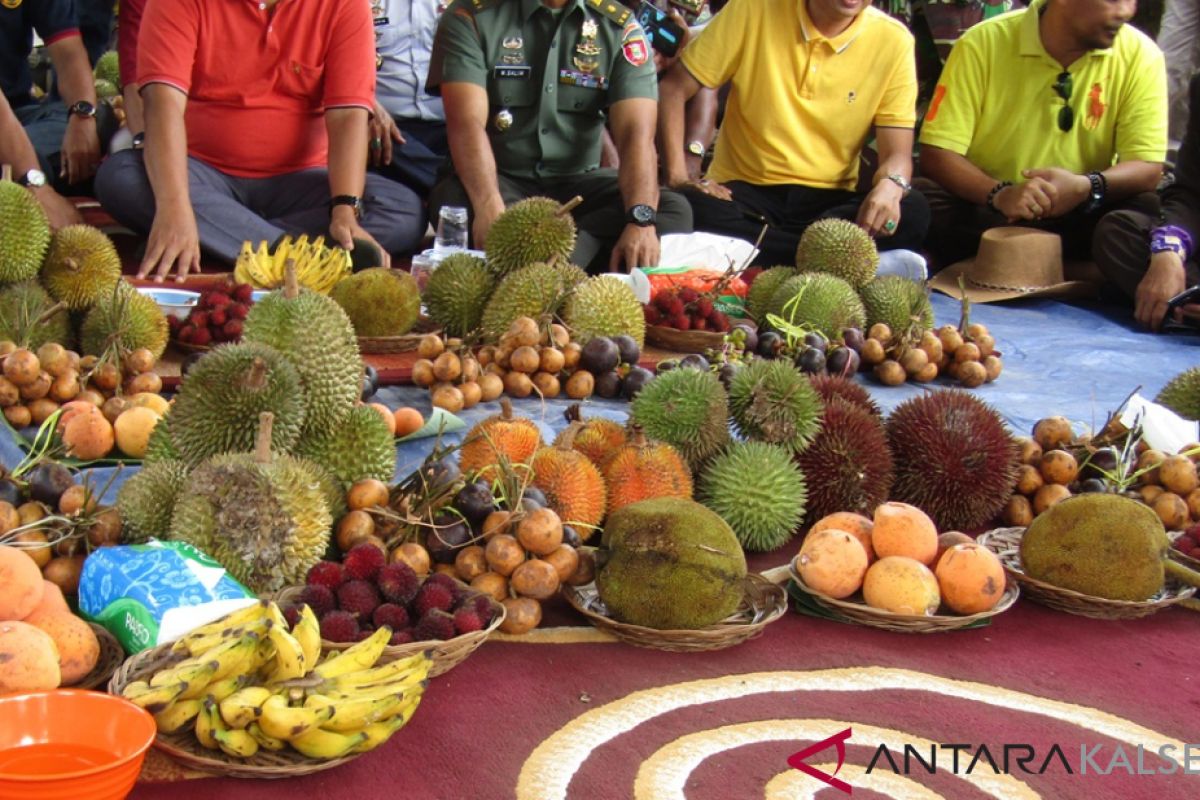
[1035, 677]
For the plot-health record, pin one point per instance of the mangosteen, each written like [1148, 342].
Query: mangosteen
[370, 383]
[10, 492]
[599, 355]
[475, 502]
[750, 342]
[1103, 460]
[439, 474]
[529, 505]
[842, 361]
[811, 360]
[666, 365]
[1093, 485]
[694, 361]
[536, 495]
[769, 344]
[188, 362]
[627, 346]
[634, 381]
[815, 339]
[451, 535]
[853, 338]
[571, 536]
[608, 384]
[48, 481]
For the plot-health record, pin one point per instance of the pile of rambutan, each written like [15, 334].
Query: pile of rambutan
[217, 316]
[685, 309]
[354, 598]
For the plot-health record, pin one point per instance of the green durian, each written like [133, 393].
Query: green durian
[774, 402]
[685, 408]
[530, 291]
[108, 68]
[81, 266]
[379, 302]
[530, 231]
[106, 89]
[838, 247]
[604, 306]
[759, 490]
[147, 500]
[902, 304]
[1182, 394]
[160, 447]
[361, 446]
[24, 233]
[124, 318]
[457, 292]
[762, 289]
[22, 306]
[826, 304]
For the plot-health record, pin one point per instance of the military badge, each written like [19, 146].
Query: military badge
[512, 43]
[634, 46]
[503, 120]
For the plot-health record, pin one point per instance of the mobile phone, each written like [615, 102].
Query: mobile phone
[665, 34]
[1184, 298]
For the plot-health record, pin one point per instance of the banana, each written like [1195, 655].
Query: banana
[178, 714]
[197, 681]
[391, 671]
[154, 698]
[289, 656]
[236, 743]
[244, 706]
[379, 732]
[188, 672]
[403, 685]
[219, 690]
[204, 725]
[284, 722]
[358, 657]
[352, 714]
[242, 616]
[308, 633]
[327, 745]
[264, 741]
[238, 659]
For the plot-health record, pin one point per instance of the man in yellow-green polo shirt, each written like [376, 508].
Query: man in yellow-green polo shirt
[809, 80]
[1050, 116]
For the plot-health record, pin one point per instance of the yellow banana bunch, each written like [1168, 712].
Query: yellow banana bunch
[357, 657]
[206, 637]
[318, 266]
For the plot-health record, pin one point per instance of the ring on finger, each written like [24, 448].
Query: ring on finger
[1037, 210]
[890, 225]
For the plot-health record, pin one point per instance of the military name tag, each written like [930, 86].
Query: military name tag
[517, 72]
[584, 80]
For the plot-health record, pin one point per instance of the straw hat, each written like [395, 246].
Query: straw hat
[1014, 262]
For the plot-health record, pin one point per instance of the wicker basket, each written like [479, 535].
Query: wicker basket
[1006, 543]
[111, 656]
[678, 341]
[399, 344]
[186, 347]
[859, 612]
[763, 603]
[446, 654]
[1186, 560]
[183, 747]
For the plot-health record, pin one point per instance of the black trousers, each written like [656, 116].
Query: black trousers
[1121, 248]
[600, 218]
[416, 162]
[788, 209]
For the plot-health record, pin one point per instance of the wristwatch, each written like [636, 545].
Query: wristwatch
[641, 215]
[83, 109]
[34, 179]
[900, 181]
[696, 148]
[1096, 195]
[348, 200]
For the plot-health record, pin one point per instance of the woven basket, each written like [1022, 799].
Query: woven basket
[183, 747]
[186, 347]
[763, 603]
[859, 612]
[446, 654]
[1006, 543]
[678, 341]
[111, 657]
[399, 344]
[1187, 561]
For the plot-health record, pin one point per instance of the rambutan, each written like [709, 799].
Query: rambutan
[236, 311]
[201, 337]
[243, 293]
[339, 626]
[216, 300]
[363, 562]
[326, 573]
[675, 308]
[432, 596]
[680, 322]
[401, 637]
[848, 465]
[398, 583]
[458, 589]
[291, 615]
[319, 598]
[467, 621]
[704, 306]
[688, 295]
[199, 319]
[954, 458]
[652, 314]
[750, 274]
[232, 329]
[391, 615]
[360, 598]
[664, 299]
[217, 317]
[830, 386]
[482, 605]
[437, 624]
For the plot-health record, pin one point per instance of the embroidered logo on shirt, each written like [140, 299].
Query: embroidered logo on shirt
[936, 102]
[1095, 107]
[634, 46]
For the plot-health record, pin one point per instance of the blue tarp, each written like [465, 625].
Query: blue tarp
[1080, 362]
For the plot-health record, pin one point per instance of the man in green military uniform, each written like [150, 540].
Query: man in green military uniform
[527, 86]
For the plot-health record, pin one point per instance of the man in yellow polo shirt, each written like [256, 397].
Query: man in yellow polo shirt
[1050, 116]
[809, 80]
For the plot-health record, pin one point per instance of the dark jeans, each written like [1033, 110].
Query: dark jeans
[416, 162]
[600, 218]
[789, 209]
[1121, 245]
[45, 124]
[230, 210]
[957, 225]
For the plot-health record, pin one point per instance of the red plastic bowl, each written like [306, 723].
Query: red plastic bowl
[69, 744]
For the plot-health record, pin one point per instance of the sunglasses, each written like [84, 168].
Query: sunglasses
[1063, 86]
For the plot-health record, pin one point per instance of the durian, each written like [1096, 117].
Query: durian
[1182, 394]
[126, 319]
[108, 68]
[312, 332]
[379, 302]
[598, 439]
[106, 90]
[81, 267]
[772, 401]
[685, 408]
[457, 292]
[533, 230]
[818, 302]
[763, 288]
[530, 291]
[573, 486]
[514, 438]
[24, 231]
[758, 490]
[673, 564]
[902, 304]
[848, 466]
[829, 386]
[147, 500]
[23, 317]
[641, 470]
[262, 515]
[359, 446]
[217, 407]
[160, 447]
[838, 247]
[604, 306]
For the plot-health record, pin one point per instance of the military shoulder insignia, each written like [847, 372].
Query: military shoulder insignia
[634, 45]
[482, 5]
[612, 10]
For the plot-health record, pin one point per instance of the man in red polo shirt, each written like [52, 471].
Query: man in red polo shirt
[256, 127]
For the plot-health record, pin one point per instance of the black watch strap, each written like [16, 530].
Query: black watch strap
[347, 200]
[1096, 195]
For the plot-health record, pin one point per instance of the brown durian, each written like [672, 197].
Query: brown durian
[642, 470]
[517, 438]
[573, 486]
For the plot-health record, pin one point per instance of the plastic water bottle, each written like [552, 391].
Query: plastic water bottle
[451, 230]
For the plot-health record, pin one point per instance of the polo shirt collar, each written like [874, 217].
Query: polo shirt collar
[838, 43]
[529, 7]
[1030, 37]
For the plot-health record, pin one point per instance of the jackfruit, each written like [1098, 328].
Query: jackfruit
[379, 302]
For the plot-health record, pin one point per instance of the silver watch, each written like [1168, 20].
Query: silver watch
[34, 179]
[900, 181]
